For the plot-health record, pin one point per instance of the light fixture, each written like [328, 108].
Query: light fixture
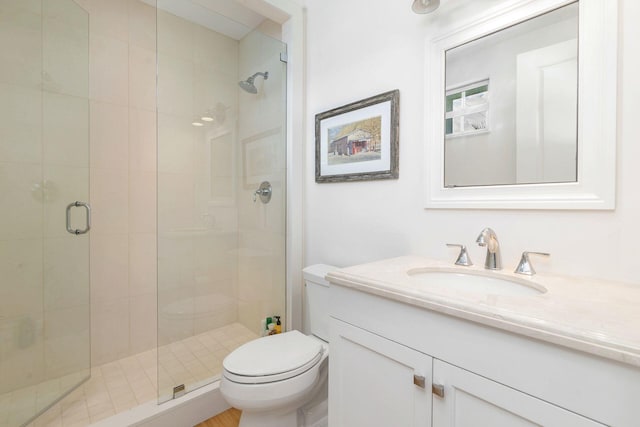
[214, 116]
[425, 6]
[207, 117]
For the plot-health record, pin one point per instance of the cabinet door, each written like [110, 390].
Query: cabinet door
[471, 400]
[376, 382]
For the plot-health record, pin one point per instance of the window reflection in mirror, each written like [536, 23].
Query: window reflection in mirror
[511, 104]
[467, 109]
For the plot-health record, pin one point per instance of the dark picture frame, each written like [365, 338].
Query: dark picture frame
[359, 141]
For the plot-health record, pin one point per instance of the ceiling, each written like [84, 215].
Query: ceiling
[230, 18]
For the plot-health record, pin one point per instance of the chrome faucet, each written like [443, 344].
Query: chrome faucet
[524, 266]
[489, 239]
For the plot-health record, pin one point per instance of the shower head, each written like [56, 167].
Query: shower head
[248, 86]
[425, 6]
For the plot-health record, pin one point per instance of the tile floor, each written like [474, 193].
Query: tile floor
[121, 385]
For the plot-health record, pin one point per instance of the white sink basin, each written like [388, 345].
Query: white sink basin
[434, 280]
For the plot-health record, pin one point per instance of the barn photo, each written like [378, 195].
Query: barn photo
[354, 142]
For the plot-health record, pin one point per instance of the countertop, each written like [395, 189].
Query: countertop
[594, 316]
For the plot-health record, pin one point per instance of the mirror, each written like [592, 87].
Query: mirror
[511, 100]
[521, 108]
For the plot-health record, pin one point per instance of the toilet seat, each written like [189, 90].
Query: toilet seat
[273, 358]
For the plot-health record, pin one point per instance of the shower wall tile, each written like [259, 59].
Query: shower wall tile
[261, 273]
[215, 88]
[168, 271]
[20, 124]
[142, 264]
[142, 88]
[21, 351]
[266, 111]
[142, 200]
[109, 136]
[109, 267]
[214, 49]
[110, 18]
[203, 186]
[176, 144]
[176, 91]
[142, 25]
[66, 11]
[223, 187]
[224, 313]
[109, 69]
[275, 218]
[34, 6]
[65, 129]
[65, 340]
[63, 185]
[109, 330]
[65, 53]
[21, 185]
[110, 201]
[197, 69]
[21, 272]
[66, 266]
[21, 43]
[175, 202]
[175, 36]
[122, 144]
[143, 324]
[84, 4]
[142, 140]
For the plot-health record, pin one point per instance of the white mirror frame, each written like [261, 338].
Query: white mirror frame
[597, 80]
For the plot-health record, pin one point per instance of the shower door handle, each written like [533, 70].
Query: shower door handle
[88, 224]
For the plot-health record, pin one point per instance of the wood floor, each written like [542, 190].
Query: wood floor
[229, 418]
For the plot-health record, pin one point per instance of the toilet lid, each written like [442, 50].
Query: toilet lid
[272, 355]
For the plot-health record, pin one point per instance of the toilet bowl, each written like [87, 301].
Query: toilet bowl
[272, 390]
[281, 380]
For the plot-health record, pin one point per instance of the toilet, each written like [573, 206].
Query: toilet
[281, 380]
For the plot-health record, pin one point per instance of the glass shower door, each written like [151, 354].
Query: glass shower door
[221, 249]
[44, 171]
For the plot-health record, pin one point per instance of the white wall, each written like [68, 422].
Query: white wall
[359, 48]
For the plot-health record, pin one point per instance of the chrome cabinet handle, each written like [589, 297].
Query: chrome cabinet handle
[87, 207]
[438, 390]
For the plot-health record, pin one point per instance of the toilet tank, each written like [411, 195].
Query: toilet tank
[315, 310]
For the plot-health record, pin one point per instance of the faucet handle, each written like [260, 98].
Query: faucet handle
[463, 256]
[524, 266]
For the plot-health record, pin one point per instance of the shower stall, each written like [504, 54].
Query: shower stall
[143, 183]
[221, 247]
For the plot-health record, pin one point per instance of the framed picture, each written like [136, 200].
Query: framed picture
[358, 141]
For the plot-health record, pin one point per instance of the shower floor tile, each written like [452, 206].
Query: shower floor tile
[123, 384]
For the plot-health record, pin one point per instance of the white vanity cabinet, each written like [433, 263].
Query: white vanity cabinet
[381, 347]
[470, 400]
[376, 382]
